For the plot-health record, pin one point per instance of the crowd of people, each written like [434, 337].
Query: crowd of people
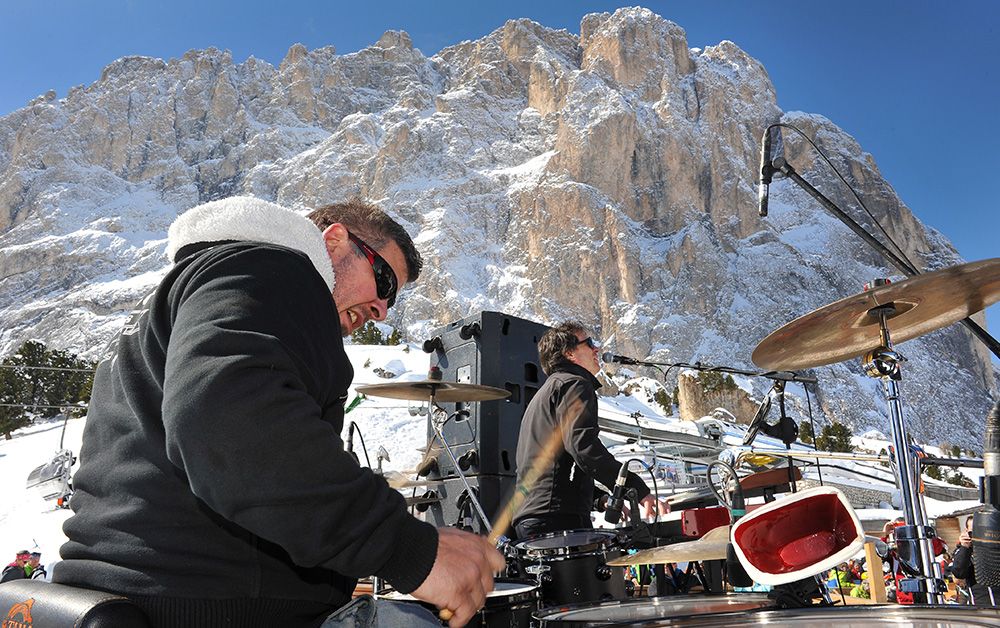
[854, 579]
[25, 565]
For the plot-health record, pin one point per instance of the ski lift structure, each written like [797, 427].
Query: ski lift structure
[54, 479]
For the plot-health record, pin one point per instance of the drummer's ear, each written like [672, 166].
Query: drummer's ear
[336, 239]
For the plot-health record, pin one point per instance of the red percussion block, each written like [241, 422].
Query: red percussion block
[695, 522]
[798, 536]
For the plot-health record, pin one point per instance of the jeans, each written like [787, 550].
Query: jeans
[366, 612]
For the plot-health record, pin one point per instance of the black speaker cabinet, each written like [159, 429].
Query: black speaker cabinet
[490, 349]
[455, 508]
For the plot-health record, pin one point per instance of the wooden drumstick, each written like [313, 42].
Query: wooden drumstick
[542, 461]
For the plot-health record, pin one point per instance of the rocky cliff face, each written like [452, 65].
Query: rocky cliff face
[608, 177]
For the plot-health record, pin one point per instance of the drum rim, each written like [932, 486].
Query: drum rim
[549, 613]
[603, 542]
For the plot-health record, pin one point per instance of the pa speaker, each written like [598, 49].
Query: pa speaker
[489, 349]
[454, 507]
[798, 536]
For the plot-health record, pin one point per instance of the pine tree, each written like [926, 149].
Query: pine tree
[806, 434]
[835, 437]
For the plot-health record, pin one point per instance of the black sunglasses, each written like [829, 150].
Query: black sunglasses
[590, 342]
[385, 278]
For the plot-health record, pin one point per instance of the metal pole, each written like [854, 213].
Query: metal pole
[458, 469]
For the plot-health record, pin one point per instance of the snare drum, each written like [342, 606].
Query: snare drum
[511, 603]
[653, 611]
[571, 566]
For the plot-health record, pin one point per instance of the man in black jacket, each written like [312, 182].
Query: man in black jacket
[214, 488]
[562, 419]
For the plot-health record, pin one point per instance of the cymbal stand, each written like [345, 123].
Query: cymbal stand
[913, 539]
[438, 423]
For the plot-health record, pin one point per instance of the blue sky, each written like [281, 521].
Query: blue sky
[915, 81]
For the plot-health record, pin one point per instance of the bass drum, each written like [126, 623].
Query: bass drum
[656, 611]
[571, 566]
[511, 603]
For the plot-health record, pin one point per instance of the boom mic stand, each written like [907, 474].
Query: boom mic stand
[780, 165]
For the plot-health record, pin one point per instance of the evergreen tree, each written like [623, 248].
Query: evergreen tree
[934, 472]
[661, 397]
[370, 334]
[12, 389]
[806, 434]
[835, 437]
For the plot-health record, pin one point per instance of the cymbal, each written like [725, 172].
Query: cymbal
[445, 392]
[843, 330]
[712, 546]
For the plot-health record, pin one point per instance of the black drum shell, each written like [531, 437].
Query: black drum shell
[577, 566]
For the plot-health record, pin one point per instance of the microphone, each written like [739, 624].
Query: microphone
[735, 572]
[986, 522]
[766, 171]
[620, 359]
[613, 513]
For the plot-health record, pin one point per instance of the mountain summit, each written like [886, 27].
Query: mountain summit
[609, 177]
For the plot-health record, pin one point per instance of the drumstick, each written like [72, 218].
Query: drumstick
[541, 462]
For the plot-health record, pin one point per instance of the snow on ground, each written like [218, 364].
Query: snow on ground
[27, 521]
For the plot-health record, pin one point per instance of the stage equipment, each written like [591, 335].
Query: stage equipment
[429, 390]
[859, 326]
[711, 546]
[986, 522]
[797, 536]
[572, 566]
[671, 610]
[899, 261]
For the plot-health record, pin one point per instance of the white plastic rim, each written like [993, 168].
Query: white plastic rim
[816, 568]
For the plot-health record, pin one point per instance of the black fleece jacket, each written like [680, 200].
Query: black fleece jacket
[566, 485]
[214, 488]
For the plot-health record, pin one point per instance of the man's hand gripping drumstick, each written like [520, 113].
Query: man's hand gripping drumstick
[462, 574]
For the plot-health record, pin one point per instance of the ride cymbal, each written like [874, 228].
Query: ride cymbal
[712, 546]
[444, 392]
[844, 329]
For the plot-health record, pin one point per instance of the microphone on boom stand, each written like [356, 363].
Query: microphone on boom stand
[613, 513]
[618, 359]
[766, 173]
[986, 522]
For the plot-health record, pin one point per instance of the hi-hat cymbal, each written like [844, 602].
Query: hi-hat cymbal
[712, 546]
[444, 392]
[843, 330]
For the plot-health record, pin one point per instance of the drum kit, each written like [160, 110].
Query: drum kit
[573, 578]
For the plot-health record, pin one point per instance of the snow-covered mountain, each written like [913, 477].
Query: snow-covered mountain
[608, 177]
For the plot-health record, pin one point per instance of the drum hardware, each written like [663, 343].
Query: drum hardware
[572, 566]
[381, 455]
[847, 328]
[899, 261]
[434, 390]
[656, 611]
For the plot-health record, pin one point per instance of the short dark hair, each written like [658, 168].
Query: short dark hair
[557, 341]
[372, 225]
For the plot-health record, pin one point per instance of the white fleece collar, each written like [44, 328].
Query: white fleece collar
[246, 218]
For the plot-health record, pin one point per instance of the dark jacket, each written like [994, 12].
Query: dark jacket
[963, 567]
[566, 486]
[13, 572]
[214, 488]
